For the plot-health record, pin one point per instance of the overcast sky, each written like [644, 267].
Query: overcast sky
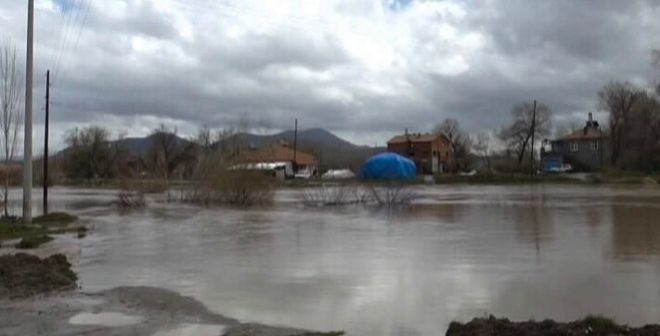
[364, 69]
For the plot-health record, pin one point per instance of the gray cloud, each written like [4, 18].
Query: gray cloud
[355, 67]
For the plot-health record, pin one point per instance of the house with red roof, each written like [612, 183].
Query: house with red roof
[431, 153]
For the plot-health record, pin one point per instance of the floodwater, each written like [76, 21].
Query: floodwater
[106, 319]
[458, 252]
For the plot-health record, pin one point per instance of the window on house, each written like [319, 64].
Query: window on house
[574, 147]
[594, 145]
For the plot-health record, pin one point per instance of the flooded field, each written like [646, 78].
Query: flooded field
[458, 252]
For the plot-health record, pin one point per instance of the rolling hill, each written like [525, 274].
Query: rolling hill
[332, 151]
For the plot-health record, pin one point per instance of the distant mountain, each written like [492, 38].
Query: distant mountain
[140, 146]
[313, 138]
[332, 151]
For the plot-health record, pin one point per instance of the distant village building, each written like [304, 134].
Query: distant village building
[431, 153]
[278, 159]
[585, 149]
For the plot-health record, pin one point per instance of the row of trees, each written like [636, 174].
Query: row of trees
[633, 129]
[634, 126]
[92, 153]
[505, 149]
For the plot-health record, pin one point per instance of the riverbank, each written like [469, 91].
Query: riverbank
[127, 311]
[34, 289]
[23, 275]
[591, 325]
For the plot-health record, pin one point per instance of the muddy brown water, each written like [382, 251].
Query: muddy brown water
[551, 251]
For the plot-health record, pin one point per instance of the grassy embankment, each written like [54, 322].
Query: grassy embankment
[584, 179]
[590, 325]
[40, 231]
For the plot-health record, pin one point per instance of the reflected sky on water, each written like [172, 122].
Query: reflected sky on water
[458, 252]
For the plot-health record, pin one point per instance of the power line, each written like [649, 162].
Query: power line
[68, 14]
[65, 22]
[82, 26]
[77, 7]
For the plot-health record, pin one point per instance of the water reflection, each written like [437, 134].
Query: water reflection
[457, 252]
[635, 231]
[534, 224]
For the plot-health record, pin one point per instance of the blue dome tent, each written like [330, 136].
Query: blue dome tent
[388, 166]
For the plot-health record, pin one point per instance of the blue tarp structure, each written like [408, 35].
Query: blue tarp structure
[388, 166]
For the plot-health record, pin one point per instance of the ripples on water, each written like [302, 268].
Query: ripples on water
[462, 251]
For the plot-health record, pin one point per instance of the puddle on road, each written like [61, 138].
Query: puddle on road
[190, 329]
[106, 319]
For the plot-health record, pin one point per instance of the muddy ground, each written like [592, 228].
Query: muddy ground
[593, 325]
[124, 311]
[38, 297]
[23, 275]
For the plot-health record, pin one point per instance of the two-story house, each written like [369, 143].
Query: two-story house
[431, 153]
[585, 149]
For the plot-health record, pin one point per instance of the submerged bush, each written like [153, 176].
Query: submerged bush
[385, 194]
[231, 187]
[391, 194]
[131, 199]
[132, 195]
[334, 195]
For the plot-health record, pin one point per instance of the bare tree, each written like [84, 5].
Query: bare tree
[656, 62]
[618, 99]
[204, 139]
[11, 114]
[459, 140]
[168, 152]
[91, 154]
[518, 135]
[483, 149]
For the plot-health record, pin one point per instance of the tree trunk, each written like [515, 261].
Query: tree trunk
[523, 150]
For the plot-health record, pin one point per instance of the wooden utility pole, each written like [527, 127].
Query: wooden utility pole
[531, 169]
[295, 147]
[46, 122]
[27, 145]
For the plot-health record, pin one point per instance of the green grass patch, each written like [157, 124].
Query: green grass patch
[623, 177]
[33, 242]
[39, 232]
[504, 179]
[55, 219]
[590, 325]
